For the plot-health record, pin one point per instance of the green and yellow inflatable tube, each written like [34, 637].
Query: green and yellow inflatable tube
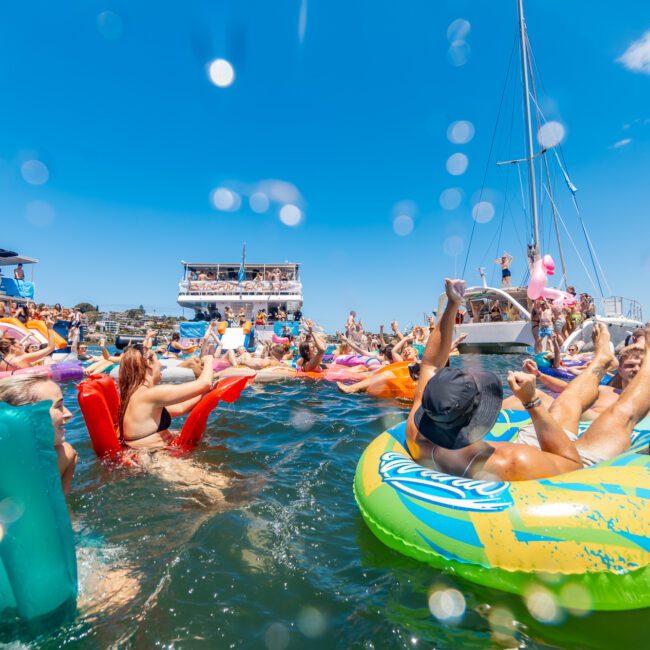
[584, 536]
[38, 566]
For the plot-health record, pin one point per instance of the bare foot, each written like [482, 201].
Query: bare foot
[344, 388]
[603, 354]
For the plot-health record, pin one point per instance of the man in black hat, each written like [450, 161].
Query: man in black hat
[454, 408]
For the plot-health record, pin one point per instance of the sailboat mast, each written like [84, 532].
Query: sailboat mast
[529, 128]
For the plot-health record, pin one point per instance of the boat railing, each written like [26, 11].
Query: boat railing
[232, 287]
[620, 307]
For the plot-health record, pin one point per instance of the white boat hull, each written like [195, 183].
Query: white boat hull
[505, 337]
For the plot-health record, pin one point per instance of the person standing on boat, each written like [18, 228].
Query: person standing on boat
[505, 262]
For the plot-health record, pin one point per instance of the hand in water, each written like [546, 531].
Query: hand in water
[455, 290]
[522, 385]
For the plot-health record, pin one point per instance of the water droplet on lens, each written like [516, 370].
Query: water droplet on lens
[447, 605]
[460, 132]
[34, 172]
[542, 605]
[483, 212]
[11, 510]
[403, 225]
[39, 213]
[457, 164]
[458, 30]
[110, 25]
[221, 73]
[311, 622]
[551, 134]
[276, 637]
[290, 215]
[451, 198]
[225, 199]
[453, 246]
[458, 53]
[259, 202]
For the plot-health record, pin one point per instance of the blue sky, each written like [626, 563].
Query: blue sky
[350, 103]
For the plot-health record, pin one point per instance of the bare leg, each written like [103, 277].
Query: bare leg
[582, 392]
[610, 434]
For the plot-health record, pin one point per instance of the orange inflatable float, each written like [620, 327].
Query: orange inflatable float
[40, 327]
[100, 404]
[393, 382]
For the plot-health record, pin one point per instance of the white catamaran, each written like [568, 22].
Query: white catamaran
[621, 315]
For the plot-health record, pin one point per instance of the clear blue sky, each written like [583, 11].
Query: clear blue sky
[349, 102]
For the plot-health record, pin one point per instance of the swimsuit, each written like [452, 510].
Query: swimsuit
[165, 421]
[172, 349]
[527, 436]
[505, 273]
[545, 332]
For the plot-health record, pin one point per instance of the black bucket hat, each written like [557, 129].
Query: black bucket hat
[459, 406]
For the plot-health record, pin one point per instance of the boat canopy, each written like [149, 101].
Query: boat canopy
[17, 259]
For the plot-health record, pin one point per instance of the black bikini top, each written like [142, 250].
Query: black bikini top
[165, 421]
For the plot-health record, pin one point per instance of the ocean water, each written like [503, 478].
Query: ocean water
[255, 541]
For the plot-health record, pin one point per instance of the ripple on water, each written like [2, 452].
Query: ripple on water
[255, 540]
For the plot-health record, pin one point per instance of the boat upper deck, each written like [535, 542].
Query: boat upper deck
[223, 280]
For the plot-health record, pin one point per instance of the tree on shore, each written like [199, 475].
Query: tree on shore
[85, 307]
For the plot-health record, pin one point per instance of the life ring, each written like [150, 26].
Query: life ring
[38, 565]
[100, 403]
[589, 528]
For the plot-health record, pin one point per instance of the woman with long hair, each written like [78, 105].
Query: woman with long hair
[146, 406]
[311, 350]
[29, 389]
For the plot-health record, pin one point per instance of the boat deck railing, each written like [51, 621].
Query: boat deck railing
[620, 307]
[232, 287]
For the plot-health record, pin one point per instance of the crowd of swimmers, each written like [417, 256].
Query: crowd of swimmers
[452, 409]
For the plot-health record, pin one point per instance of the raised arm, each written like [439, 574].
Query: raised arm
[168, 394]
[357, 348]
[396, 331]
[436, 352]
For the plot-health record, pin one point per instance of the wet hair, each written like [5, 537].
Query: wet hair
[414, 371]
[21, 389]
[305, 351]
[133, 372]
[176, 336]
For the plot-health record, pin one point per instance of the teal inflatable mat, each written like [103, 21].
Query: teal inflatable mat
[38, 567]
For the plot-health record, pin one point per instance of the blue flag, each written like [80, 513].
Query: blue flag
[242, 274]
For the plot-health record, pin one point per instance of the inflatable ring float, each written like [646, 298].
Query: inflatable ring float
[585, 532]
